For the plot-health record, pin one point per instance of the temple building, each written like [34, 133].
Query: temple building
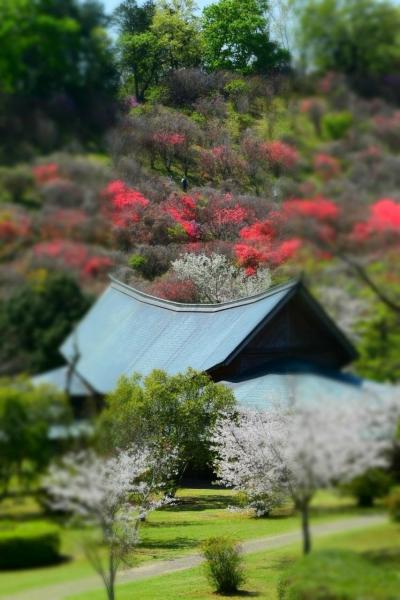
[266, 347]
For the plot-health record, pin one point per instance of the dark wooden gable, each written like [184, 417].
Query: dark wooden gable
[299, 329]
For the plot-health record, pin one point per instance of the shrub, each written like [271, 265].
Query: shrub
[393, 503]
[336, 125]
[224, 564]
[338, 575]
[375, 483]
[29, 545]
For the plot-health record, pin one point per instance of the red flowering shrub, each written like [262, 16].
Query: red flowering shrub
[70, 254]
[221, 162]
[326, 166]
[169, 139]
[318, 208]
[64, 222]
[264, 245]
[45, 173]
[183, 210]
[126, 204]
[174, 289]
[384, 218]
[281, 156]
[96, 266]
[13, 226]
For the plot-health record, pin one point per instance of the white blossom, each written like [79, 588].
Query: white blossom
[298, 450]
[217, 279]
[112, 496]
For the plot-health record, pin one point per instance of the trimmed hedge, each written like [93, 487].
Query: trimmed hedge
[26, 545]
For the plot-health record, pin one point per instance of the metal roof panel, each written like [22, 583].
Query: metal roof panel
[127, 331]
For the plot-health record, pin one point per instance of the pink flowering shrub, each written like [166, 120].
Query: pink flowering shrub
[45, 173]
[387, 128]
[326, 166]
[13, 227]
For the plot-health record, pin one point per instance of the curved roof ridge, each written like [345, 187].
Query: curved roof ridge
[185, 307]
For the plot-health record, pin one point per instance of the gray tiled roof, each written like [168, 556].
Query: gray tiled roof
[128, 331]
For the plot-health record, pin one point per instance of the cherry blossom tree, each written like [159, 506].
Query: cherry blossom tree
[217, 279]
[110, 496]
[299, 449]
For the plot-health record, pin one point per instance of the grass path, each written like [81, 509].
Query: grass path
[79, 587]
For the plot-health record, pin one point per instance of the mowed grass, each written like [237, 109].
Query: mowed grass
[170, 532]
[381, 545]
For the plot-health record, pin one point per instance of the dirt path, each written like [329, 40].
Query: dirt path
[64, 590]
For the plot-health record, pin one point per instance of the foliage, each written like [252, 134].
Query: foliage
[337, 575]
[156, 39]
[336, 125]
[166, 411]
[355, 37]
[57, 63]
[224, 564]
[298, 449]
[393, 503]
[27, 416]
[379, 346]
[236, 37]
[373, 484]
[24, 546]
[36, 319]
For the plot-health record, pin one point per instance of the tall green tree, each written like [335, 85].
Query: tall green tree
[35, 321]
[27, 415]
[166, 411]
[155, 39]
[355, 37]
[56, 60]
[237, 37]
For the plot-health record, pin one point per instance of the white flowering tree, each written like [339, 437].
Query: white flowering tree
[110, 497]
[218, 279]
[297, 450]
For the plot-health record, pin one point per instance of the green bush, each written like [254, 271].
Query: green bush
[29, 545]
[393, 503]
[224, 564]
[339, 575]
[375, 483]
[336, 125]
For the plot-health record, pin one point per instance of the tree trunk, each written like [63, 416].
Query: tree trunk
[305, 525]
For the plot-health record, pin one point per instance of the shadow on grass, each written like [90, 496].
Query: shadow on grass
[238, 594]
[384, 557]
[194, 503]
[178, 543]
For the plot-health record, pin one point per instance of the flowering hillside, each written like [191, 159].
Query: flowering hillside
[277, 183]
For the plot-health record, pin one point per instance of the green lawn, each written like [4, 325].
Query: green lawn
[170, 532]
[265, 569]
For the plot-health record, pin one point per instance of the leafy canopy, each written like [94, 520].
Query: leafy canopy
[237, 37]
[355, 37]
[170, 411]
